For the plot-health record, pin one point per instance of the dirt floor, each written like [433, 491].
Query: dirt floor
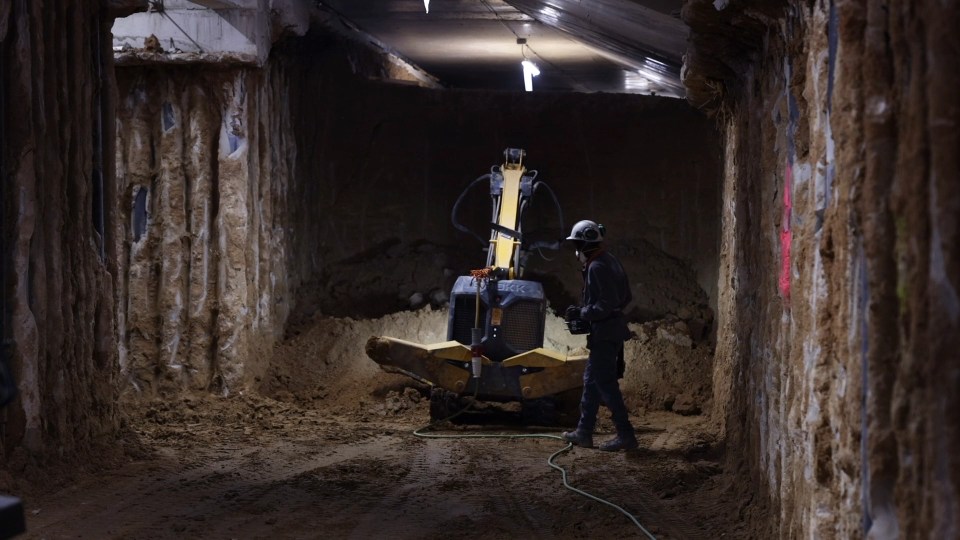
[339, 460]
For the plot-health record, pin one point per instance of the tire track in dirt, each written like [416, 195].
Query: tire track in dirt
[455, 486]
[431, 494]
[532, 502]
[167, 500]
[663, 522]
[622, 479]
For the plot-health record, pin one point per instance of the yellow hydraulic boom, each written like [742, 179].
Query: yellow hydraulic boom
[504, 245]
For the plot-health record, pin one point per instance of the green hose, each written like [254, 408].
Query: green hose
[419, 432]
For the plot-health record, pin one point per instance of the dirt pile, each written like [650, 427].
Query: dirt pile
[388, 277]
[662, 285]
[668, 369]
[324, 358]
[396, 275]
[324, 361]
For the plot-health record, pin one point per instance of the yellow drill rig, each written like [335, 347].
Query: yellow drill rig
[496, 324]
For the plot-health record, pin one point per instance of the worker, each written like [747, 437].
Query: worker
[606, 291]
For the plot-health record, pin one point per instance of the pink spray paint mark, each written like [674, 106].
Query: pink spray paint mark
[786, 237]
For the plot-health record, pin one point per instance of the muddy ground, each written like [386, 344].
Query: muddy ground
[303, 458]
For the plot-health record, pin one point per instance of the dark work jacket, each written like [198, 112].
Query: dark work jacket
[606, 291]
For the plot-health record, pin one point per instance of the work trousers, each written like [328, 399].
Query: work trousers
[600, 384]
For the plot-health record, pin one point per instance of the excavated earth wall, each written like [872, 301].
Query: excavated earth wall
[249, 198]
[217, 199]
[836, 372]
[202, 186]
[58, 273]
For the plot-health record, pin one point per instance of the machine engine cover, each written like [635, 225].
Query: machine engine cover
[513, 324]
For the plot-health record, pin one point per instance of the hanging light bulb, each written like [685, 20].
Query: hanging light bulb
[426, 5]
[530, 71]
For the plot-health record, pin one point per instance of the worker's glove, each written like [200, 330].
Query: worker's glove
[572, 314]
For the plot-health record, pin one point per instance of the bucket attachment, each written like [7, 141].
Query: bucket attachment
[529, 375]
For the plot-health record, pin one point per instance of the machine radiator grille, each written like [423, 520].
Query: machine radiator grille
[521, 326]
[464, 312]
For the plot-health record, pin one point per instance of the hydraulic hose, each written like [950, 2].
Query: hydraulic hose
[456, 208]
[556, 203]
[421, 432]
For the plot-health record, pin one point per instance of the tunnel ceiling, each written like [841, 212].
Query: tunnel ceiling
[598, 46]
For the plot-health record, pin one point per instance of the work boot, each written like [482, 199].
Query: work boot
[620, 442]
[577, 438]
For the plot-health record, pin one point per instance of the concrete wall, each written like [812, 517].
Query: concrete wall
[836, 371]
[236, 30]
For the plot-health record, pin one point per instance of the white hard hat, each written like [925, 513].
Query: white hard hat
[587, 231]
